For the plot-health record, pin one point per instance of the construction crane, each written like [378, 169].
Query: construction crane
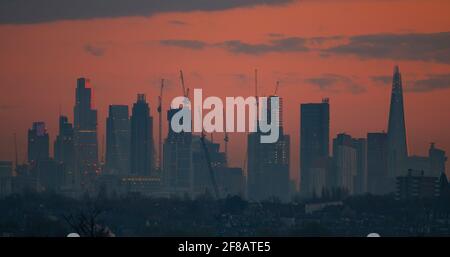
[210, 168]
[256, 83]
[226, 139]
[276, 87]
[209, 164]
[185, 91]
[160, 99]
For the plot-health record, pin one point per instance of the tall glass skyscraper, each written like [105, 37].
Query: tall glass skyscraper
[141, 153]
[65, 152]
[118, 140]
[268, 163]
[396, 134]
[85, 130]
[377, 162]
[314, 140]
[178, 175]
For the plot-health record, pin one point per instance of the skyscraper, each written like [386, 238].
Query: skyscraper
[6, 168]
[38, 143]
[63, 146]
[377, 163]
[396, 145]
[349, 169]
[437, 160]
[201, 175]
[6, 178]
[178, 158]
[360, 145]
[85, 130]
[345, 162]
[118, 140]
[268, 163]
[314, 140]
[65, 152]
[141, 151]
[178, 173]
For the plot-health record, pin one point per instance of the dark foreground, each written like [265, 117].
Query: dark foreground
[48, 214]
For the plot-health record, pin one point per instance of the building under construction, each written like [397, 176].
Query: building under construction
[268, 164]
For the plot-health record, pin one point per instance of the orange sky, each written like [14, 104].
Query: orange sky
[40, 62]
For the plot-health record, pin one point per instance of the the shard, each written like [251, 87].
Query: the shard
[396, 145]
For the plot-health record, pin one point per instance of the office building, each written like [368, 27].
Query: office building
[64, 150]
[38, 143]
[178, 177]
[85, 133]
[314, 140]
[141, 146]
[118, 140]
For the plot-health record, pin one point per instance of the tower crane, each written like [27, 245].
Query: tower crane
[209, 164]
[185, 90]
[256, 89]
[226, 139]
[210, 168]
[276, 87]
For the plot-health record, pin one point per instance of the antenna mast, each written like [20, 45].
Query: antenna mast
[16, 156]
[160, 98]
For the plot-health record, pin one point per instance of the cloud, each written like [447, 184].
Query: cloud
[414, 46]
[429, 47]
[383, 80]
[184, 43]
[433, 82]
[335, 83]
[290, 44]
[37, 11]
[94, 50]
[322, 40]
[178, 22]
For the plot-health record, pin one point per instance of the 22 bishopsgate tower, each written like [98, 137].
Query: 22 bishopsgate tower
[85, 132]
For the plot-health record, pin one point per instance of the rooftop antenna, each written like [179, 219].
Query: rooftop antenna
[16, 156]
[160, 98]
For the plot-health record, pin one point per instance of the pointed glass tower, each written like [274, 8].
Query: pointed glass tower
[397, 149]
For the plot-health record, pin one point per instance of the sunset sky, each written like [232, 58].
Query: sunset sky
[341, 49]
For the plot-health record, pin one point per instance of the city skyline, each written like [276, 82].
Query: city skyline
[130, 141]
[103, 149]
[41, 62]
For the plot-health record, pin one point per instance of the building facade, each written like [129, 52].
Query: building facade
[85, 133]
[38, 143]
[397, 153]
[118, 140]
[314, 140]
[141, 146]
[377, 163]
